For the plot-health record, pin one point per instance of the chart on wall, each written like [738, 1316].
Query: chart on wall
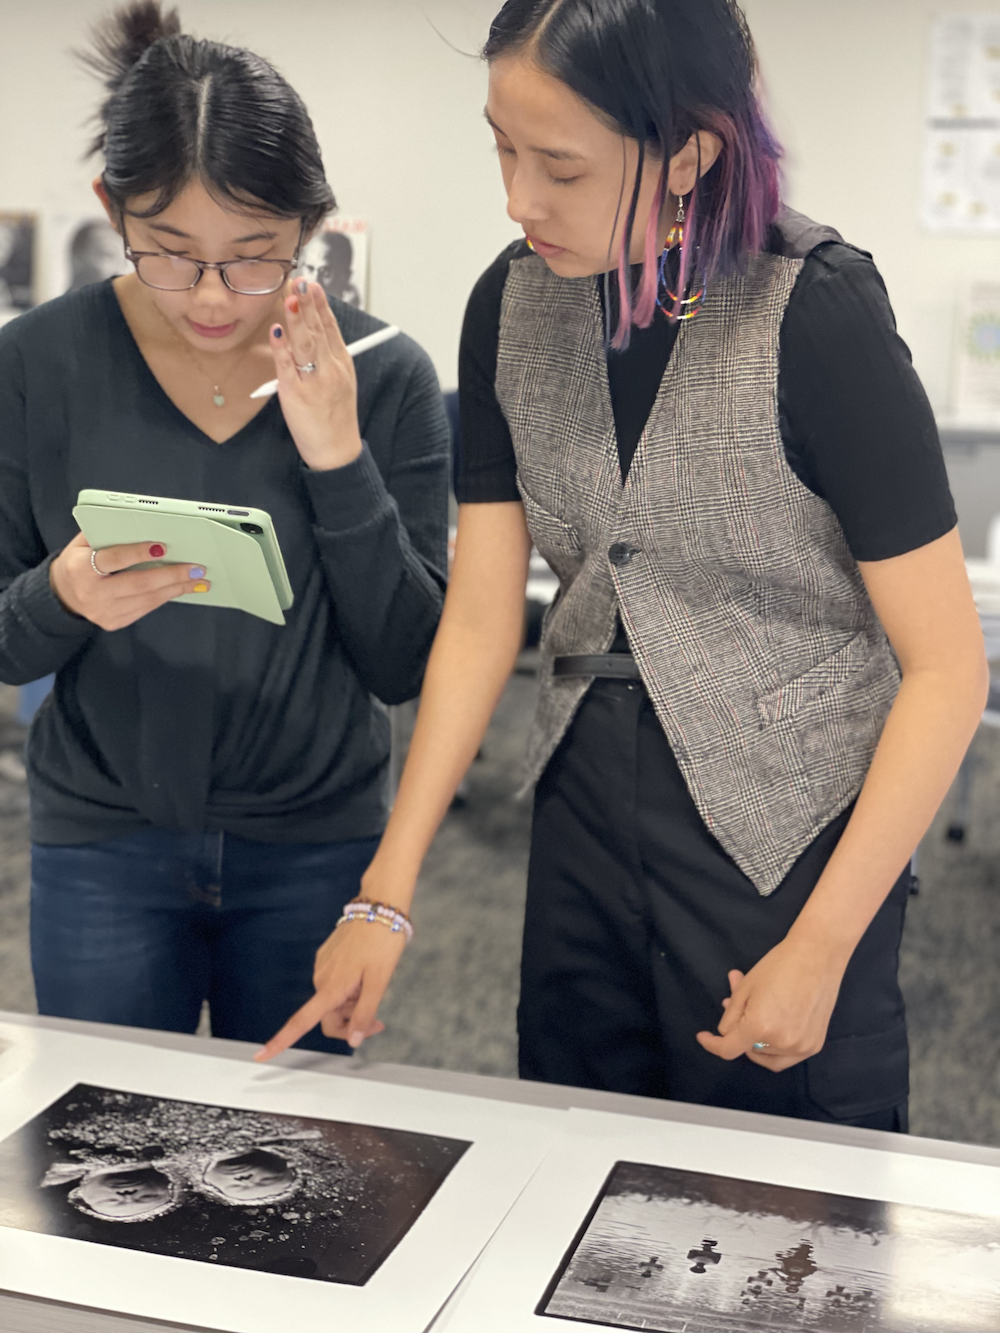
[337, 258]
[977, 370]
[308, 1198]
[961, 191]
[673, 1250]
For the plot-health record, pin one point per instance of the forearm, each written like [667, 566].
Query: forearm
[922, 745]
[388, 596]
[473, 655]
[37, 634]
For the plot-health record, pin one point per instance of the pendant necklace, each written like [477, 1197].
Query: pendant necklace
[218, 396]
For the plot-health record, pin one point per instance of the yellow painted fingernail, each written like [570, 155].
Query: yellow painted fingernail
[200, 587]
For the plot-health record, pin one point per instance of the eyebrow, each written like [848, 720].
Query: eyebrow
[557, 154]
[240, 240]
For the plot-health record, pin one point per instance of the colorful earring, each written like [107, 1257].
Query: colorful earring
[691, 304]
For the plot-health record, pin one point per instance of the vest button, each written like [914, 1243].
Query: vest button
[621, 553]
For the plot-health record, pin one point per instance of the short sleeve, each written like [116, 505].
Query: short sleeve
[858, 428]
[487, 465]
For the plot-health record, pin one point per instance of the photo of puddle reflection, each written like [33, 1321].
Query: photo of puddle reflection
[688, 1252]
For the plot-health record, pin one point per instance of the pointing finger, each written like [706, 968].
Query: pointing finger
[301, 1022]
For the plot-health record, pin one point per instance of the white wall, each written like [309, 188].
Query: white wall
[398, 116]
[846, 86]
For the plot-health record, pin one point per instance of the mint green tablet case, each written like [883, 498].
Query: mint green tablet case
[234, 563]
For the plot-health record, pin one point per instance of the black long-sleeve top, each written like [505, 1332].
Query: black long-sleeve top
[200, 718]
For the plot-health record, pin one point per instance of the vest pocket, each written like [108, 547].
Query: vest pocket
[857, 653]
[856, 1076]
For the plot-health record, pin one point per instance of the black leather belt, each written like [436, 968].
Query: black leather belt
[610, 666]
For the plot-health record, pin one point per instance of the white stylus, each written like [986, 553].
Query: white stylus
[353, 349]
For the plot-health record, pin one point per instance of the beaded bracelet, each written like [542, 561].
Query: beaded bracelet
[359, 909]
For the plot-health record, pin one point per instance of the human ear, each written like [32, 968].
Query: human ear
[701, 150]
[97, 185]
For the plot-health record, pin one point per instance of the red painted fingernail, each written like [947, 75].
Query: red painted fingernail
[156, 550]
[293, 304]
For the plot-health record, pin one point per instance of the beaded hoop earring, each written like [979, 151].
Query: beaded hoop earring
[665, 298]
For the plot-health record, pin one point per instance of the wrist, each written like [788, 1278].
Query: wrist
[345, 451]
[827, 947]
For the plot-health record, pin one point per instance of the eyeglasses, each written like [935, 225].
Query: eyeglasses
[176, 273]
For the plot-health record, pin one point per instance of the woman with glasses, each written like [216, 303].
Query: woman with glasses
[206, 787]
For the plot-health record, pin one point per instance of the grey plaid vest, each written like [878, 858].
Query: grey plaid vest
[755, 637]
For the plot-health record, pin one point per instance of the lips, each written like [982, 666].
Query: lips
[213, 330]
[546, 251]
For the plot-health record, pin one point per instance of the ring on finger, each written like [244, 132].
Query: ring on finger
[761, 1045]
[101, 573]
[307, 369]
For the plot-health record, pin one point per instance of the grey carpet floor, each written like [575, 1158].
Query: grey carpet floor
[452, 1003]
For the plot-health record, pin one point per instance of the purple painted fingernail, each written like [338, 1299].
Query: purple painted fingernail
[278, 331]
[196, 572]
[302, 287]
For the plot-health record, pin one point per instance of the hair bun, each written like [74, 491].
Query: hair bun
[124, 37]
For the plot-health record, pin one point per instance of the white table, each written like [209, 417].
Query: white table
[19, 1314]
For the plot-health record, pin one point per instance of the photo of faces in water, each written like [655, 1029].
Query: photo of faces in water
[682, 1251]
[318, 1199]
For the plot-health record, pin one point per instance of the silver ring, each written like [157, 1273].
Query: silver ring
[93, 565]
[761, 1045]
[307, 369]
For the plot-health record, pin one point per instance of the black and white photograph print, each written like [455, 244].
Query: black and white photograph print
[82, 249]
[337, 258]
[309, 1198]
[687, 1252]
[17, 261]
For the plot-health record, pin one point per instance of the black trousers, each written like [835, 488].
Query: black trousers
[635, 915]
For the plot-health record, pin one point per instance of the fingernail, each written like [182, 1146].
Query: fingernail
[355, 1039]
[278, 331]
[156, 550]
[196, 572]
[302, 286]
[200, 587]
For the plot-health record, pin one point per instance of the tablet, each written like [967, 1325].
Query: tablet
[236, 544]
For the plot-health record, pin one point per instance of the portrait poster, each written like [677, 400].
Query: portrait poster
[977, 369]
[18, 241]
[231, 1196]
[680, 1228]
[337, 258]
[82, 248]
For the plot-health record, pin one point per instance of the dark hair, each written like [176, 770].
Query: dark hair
[180, 109]
[657, 71]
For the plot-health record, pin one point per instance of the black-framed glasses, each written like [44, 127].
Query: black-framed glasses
[177, 273]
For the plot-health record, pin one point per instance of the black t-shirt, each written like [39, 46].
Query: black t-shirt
[855, 421]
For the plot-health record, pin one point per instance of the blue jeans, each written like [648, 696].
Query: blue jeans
[140, 930]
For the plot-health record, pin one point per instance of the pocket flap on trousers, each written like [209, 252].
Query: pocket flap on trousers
[856, 1076]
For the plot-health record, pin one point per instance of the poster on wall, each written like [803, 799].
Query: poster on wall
[337, 258]
[18, 232]
[82, 248]
[961, 192]
[977, 370]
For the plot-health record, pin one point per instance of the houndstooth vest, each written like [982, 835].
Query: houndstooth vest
[755, 637]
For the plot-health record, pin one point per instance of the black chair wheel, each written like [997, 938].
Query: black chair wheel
[956, 833]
